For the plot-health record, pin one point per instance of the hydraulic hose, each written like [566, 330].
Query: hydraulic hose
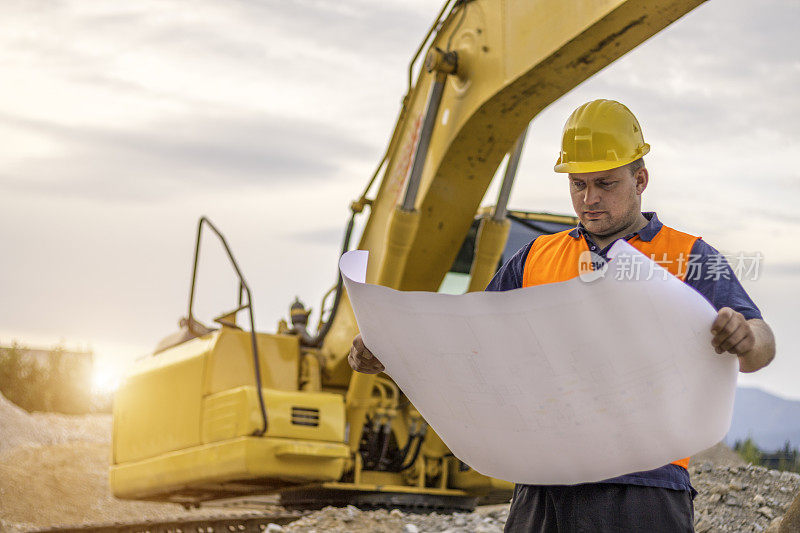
[316, 341]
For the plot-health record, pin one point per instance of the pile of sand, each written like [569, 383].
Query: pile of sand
[65, 483]
[20, 428]
[54, 471]
[719, 455]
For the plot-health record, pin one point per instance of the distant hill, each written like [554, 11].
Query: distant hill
[768, 419]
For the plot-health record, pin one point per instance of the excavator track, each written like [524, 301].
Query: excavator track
[246, 522]
[297, 503]
[316, 498]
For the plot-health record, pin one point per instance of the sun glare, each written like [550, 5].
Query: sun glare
[105, 378]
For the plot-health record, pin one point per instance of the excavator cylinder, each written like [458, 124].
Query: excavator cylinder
[489, 246]
[401, 232]
[493, 232]
[357, 402]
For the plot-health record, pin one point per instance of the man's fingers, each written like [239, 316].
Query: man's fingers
[729, 329]
[733, 339]
[744, 346]
[719, 339]
[723, 317]
[358, 344]
[361, 359]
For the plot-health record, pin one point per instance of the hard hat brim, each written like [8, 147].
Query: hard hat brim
[581, 167]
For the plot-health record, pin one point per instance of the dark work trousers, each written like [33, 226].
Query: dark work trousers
[599, 508]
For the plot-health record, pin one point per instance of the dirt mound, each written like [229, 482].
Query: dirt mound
[720, 455]
[791, 521]
[54, 471]
[67, 484]
[20, 428]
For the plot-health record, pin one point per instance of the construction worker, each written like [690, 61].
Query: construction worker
[602, 154]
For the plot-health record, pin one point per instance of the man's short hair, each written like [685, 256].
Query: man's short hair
[634, 166]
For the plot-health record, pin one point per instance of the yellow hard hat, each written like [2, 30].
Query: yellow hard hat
[600, 135]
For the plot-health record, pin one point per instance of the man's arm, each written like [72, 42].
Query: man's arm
[751, 340]
[739, 328]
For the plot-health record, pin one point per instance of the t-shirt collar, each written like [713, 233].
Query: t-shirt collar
[646, 233]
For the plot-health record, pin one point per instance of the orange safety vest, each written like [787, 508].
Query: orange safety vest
[557, 257]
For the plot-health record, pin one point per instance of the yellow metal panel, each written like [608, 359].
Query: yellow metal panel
[157, 408]
[230, 363]
[244, 458]
[230, 414]
[235, 413]
[160, 408]
[304, 449]
[542, 35]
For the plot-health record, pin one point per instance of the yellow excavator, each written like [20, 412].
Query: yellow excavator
[228, 412]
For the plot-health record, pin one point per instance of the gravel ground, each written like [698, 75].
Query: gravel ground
[351, 519]
[740, 498]
[54, 471]
[19, 428]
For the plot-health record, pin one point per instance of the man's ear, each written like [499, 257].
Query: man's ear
[642, 178]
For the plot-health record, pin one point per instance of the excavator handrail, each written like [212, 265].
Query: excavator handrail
[243, 289]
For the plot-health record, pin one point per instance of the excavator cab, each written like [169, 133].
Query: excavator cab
[524, 227]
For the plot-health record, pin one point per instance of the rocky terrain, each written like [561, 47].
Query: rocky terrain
[732, 496]
[741, 498]
[54, 471]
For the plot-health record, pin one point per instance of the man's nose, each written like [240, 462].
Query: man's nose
[591, 195]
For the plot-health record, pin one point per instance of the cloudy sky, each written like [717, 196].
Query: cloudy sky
[122, 123]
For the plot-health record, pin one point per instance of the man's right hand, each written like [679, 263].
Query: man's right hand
[362, 360]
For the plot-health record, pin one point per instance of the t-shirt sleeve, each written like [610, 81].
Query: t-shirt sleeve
[510, 274]
[710, 274]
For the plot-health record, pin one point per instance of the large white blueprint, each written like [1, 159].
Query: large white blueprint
[556, 384]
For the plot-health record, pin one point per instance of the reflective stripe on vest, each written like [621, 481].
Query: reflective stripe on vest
[557, 257]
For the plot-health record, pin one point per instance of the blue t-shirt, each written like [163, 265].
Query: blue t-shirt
[707, 272]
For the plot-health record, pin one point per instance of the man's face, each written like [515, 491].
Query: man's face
[608, 201]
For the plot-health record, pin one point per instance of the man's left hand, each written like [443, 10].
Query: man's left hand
[732, 333]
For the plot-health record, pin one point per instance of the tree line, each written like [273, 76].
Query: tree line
[787, 458]
[46, 380]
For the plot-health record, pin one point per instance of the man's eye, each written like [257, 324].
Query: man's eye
[606, 184]
[577, 184]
